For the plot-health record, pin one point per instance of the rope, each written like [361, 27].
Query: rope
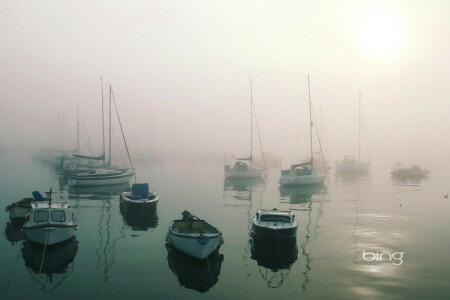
[121, 129]
[259, 134]
[43, 254]
[320, 144]
[298, 127]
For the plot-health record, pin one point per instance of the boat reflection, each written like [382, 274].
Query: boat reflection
[139, 218]
[275, 258]
[97, 192]
[14, 232]
[300, 194]
[351, 177]
[241, 189]
[53, 262]
[192, 273]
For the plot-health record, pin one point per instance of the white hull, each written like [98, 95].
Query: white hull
[99, 181]
[191, 246]
[250, 173]
[293, 180]
[353, 167]
[49, 235]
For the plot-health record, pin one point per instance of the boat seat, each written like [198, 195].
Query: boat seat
[38, 196]
[140, 190]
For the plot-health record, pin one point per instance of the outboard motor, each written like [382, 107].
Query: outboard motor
[187, 216]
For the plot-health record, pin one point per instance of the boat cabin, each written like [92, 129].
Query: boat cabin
[55, 213]
[274, 216]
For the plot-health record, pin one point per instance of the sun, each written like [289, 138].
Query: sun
[381, 33]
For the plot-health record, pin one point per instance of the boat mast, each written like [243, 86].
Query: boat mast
[359, 128]
[310, 122]
[103, 121]
[251, 122]
[78, 130]
[110, 154]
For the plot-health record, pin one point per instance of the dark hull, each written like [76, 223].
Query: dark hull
[259, 231]
[133, 205]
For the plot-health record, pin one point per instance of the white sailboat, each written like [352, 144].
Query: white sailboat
[85, 163]
[242, 169]
[353, 164]
[303, 173]
[107, 176]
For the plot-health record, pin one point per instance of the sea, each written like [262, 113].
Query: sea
[363, 236]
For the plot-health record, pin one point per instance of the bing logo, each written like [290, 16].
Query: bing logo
[396, 258]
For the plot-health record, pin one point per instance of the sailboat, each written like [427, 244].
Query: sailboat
[107, 176]
[85, 163]
[241, 169]
[303, 173]
[349, 163]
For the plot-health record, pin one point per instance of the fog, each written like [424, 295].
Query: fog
[180, 72]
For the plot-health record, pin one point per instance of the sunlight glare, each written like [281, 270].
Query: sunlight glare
[381, 33]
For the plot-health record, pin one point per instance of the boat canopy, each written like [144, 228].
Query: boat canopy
[101, 157]
[140, 190]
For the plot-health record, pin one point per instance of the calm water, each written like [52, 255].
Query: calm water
[117, 257]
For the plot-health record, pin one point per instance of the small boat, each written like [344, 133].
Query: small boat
[101, 177]
[414, 172]
[50, 223]
[274, 224]
[241, 169]
[140, 196]
[19, 209]
[105, 176]
[304, 173]
[194, 236]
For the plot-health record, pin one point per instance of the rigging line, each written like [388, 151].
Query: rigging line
[259, 134]
[86, 137]
[320, 144]
[70, 133]
[121, 129]
[87, 142]
[365, 137]
[299, 124]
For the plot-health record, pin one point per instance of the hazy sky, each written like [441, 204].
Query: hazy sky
[187, 64]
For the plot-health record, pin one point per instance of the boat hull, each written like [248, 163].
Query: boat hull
[16, 212]
[141, 203]
[50, 235]
[111, 180]
[192, 245]
[314, 179]
[249, 173]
